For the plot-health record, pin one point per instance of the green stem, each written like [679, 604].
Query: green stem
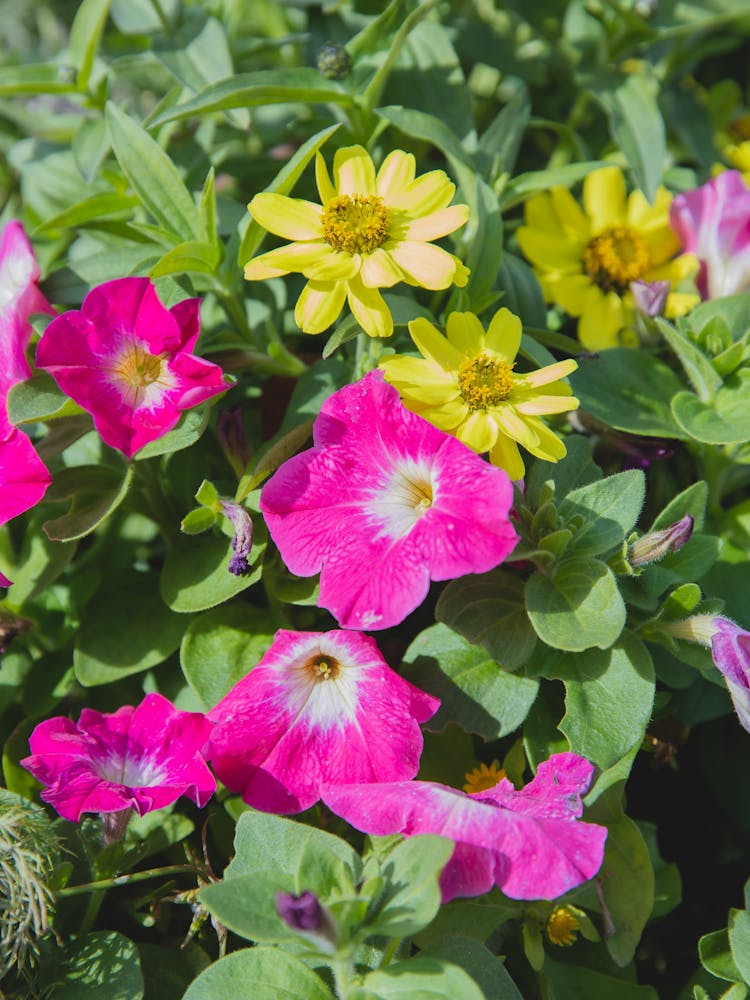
[98, 888]
[389, 952]
[92, 909]
[343, 974]
[375, 87]
[161, 14]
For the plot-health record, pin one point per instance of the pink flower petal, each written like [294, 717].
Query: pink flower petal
[730, 649]
[23, 476]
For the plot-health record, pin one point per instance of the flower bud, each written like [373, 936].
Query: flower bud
[334, 62]
[243, 537]
[656, 544]
[304, 913]
[650, 297]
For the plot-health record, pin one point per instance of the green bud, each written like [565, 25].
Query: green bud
[334, 62]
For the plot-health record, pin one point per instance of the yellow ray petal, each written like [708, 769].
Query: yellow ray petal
[353, 171]
[504, 334]
[428, 193]
[604, 198]
[434, 346]
[292, 218]
[396, 173]
[369, 309]
[479, 431]
[294, 257]
[465, 332]
[548, 445]
[538, 406]
[550, 373]
[437, 224]
[429, 266]
[572, 219]
[338, 266]
[521, 429]
[602, 319]
[539, 213]
[549, 251]
[326, 190]
[505, 454]
[319, 305]
[379, 270]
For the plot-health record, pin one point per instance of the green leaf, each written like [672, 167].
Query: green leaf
[476, 693]
[153, 176]
[479, 962]
[286, 446]
[733, 310]
[498, 148]
[739, 941]
[524, 185]
[283, 183]
[411, 896]
[221, 646]
[38, 398]
[723, 421]
[716, 956]
[576, 608]
[522, 293]
[609, 696]
[85, 35]
[94, 491]
[100, 966]
[578, 468]
[246, 905]
[91, 209]
[489, 611]
[124, 630]
[34, 78]
[302, 85]
[692, 500]
[258, 974]
[168, 972]
[636, 124]
[702, 374]
[572, 982]
[310, 857]
[418, 979]
[484, 236]
[193, 256]
[196, 576]
[609, 509]
[195, 522]
[40, 563]
[189, 429]
[630, 391]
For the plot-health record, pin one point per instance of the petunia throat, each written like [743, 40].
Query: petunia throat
[322, 668]
[484, 381]
[136, 368]
[355, 223]
[614, 258]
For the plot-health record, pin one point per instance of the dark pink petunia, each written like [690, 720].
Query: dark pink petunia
[126, 359]
[530, 843]
[23, 476]
[382, 504]
[142, 758]
[319, 708]
[730, 649]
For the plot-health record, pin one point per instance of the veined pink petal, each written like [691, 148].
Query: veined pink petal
[318, 708]
[23, 476]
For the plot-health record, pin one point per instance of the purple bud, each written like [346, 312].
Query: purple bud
[656, 544]
[302, 913]
[650, 297]
[243, 537]
[230, 430]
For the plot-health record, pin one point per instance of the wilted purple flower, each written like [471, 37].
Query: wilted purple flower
[656, 544]
[650, 297]
[243, 537]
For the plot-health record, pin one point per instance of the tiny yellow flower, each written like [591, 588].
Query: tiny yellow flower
[371, 231]
[738, 157]
[563, 926]
[586, 258]
[483, 777]
[465, 384]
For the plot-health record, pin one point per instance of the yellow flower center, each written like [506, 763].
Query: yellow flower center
[484, 381]
[355, 223]
[483, 777]
[562, 926]
[616, 257]
[322, 668]
[137, 368]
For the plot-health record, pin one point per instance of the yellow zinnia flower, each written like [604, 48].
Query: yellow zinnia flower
[371, 231]
[586, 259]
[483, 777]
[465, 385]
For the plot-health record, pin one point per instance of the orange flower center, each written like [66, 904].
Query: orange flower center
[355, 223]
[322, 668]
[136, 368]
[616, 257]
[484, 381]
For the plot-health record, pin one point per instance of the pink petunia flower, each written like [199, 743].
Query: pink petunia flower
[713, 222]
[529, 843]
[730, 650]
[319, 708]
[140, 758]
[126, 359]
[19, 298]
[383, 503]
[23, 476]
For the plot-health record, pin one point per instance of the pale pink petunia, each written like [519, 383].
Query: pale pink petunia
[23, 476]
[730, 650]
[319, 708]
[19, 298]
[383, 503]
[713, 222]
[140, 758]
[530, 843]
[126, 359]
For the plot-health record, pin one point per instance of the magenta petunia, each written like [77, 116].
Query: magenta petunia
[19, 298]
[319, 708]
[730, 650]
[23, 476]
[530, 843]
[713, 222]
[383, 503]
[126, 359]
[142, 758]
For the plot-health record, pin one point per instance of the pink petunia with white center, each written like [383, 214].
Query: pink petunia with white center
[319, 708]
[140, 758]
[530, 843]
[126, 359]
[383, 503]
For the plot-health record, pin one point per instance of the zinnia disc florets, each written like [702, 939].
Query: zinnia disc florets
[355, 223]
[484, 381]
[616, 257]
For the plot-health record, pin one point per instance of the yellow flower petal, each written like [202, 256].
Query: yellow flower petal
[353, 171]
[604, 198]
[433, 345]
[549, 251]
[601, 320]
[677, 270]
[326, 190]
[369, 309]
[539, 213]
[437, 224]
[515, 426]
[428, 266]
[505, 454]
[292, 218]
[294, 257]
[447, 416]
[397, 171]
[504, 334]
[338, 266]
[550, 373]
[479, 431]
[549, 446]
[572, 219]
[428, 193]
[319, 305]
[569, 291]
[379, 270]
[538, 406]
[465, 332]
[679, 303]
